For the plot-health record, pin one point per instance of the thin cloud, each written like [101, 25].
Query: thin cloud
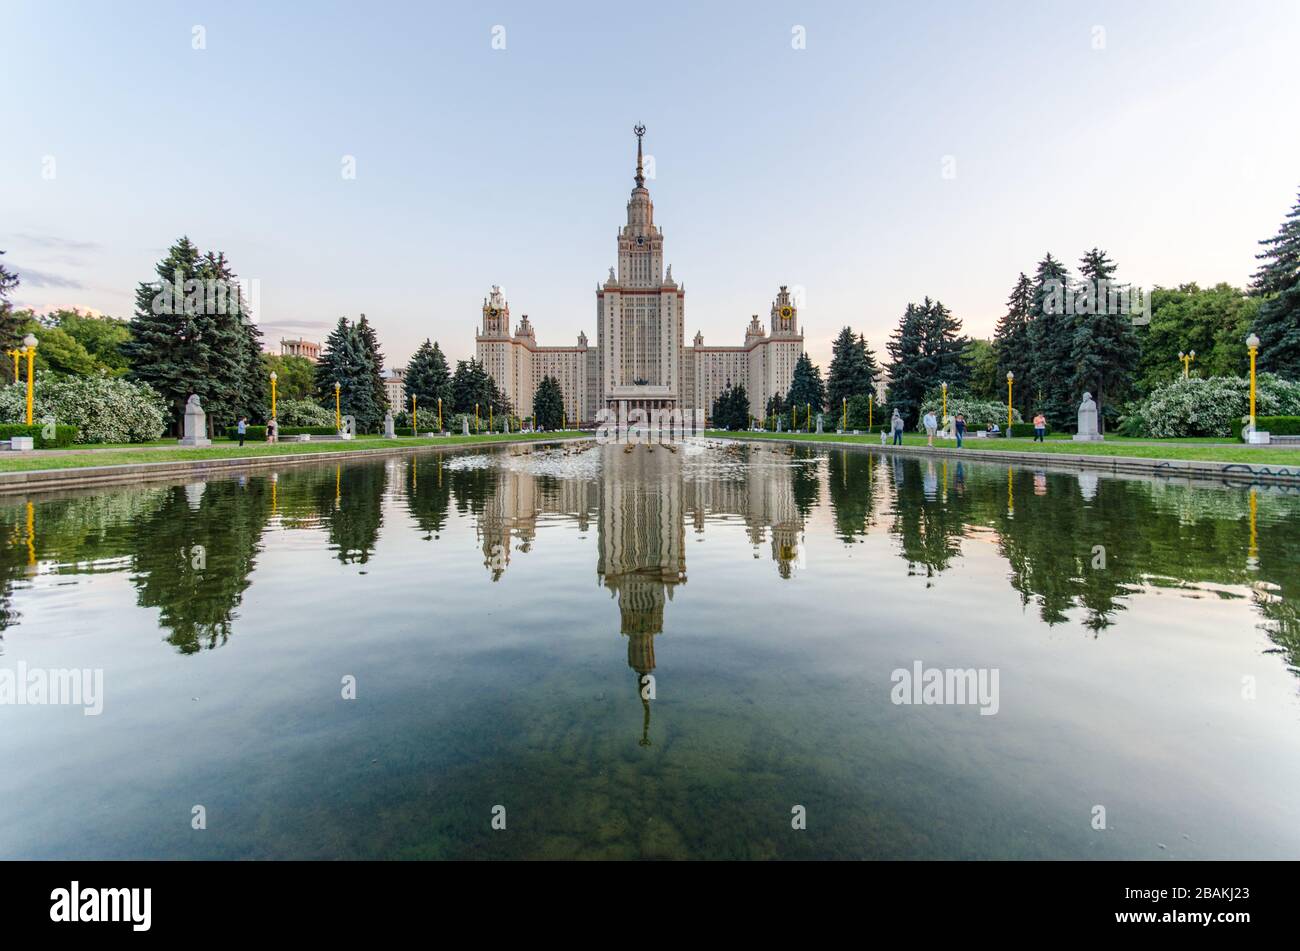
[34, 278]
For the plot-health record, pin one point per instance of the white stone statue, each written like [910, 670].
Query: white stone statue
[196, 424]
[1088, 431]
[464, 425]
[389, 430]
[819, 424]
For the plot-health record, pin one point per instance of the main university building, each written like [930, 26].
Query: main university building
[640, 360]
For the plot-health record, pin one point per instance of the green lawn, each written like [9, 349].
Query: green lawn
[1210, 450]
[14, 462]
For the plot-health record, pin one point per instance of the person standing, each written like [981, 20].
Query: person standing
[959, 427]
[1040, 426]
[242, 428]
[931, 426]
[896, 424]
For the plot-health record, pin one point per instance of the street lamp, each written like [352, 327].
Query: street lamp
[273, 379]
[1187, 359]
[29, 346]
[440, 414]
[1011, 378]
[1252, 344]
[338, 412]
[943, 417]
[415, 418]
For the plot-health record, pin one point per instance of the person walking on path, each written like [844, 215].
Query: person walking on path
[959, 427]
[1040, 427]
[896, 424]
[931, 426]
[242, 429]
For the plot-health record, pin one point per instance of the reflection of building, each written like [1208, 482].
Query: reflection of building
[300, 348]
[640, 360]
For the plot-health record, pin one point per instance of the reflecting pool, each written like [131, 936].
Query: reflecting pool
[653, 653]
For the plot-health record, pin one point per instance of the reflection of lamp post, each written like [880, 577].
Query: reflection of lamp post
[1187, 359]
[1252, 344]
[1011, 378]
[338, 411]
[29, 344]
[273, 379]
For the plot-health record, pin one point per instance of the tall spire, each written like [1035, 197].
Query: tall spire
[639, 129]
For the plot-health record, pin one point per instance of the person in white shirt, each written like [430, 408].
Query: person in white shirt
[931, 425]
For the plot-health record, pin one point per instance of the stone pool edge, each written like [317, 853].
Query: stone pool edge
[1190, 469]
[43, 480]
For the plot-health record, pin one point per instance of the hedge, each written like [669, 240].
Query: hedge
[254, 433]
[1278, 425]
[1020, 429]
[64, 435]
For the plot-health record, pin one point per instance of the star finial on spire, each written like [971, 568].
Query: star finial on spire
[639, 129]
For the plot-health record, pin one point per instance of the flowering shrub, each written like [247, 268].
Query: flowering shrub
[979, 413]
[1209, 406]
[103, 408]
[303, 413]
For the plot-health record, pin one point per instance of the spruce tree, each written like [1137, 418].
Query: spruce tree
[472, 385]
[1051, 342]
[374, 362]
[943, 346]
[548, 404]
[907, 376]
[347, 359]
[1105, 349]
[1281, 256]
[1011, 339]
[1278, 280]
[427, 378]
[806, 386]
[852, 371]
[10, 328]
[171, 345]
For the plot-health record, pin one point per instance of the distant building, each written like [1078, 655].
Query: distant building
[394, 385]
[300, 348]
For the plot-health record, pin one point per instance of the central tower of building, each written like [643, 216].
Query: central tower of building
[640, 314]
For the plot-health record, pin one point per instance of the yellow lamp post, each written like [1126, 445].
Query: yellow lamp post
[1011, 378]
[440, 414]
[415, 417]
[29, 346]
[844, 415]
[807, 411]
[1187, 359]
[489, 419]
[273, 379]
[871, 398]
[476, 426]
[1252, 344]
[943, 414]
[338, 406]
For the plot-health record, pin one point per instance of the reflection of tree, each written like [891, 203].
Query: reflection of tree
[428, 494]
[351, 507]
[193, 555]
[851, 482]
[806, 480]
[928, 519]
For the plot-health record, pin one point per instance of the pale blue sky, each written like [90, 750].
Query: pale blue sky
[1174, 147]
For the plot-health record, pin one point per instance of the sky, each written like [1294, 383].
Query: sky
[867, 154]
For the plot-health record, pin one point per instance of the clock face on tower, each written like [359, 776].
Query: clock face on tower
[640, 239]
[787, 312]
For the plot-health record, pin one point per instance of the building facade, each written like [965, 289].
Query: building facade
[300, 348]
[640, 360]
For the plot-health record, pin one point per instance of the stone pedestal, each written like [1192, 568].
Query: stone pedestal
[196, 424]
[464, 426]
[22, 443]
[1257, 438]
[390, 431]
